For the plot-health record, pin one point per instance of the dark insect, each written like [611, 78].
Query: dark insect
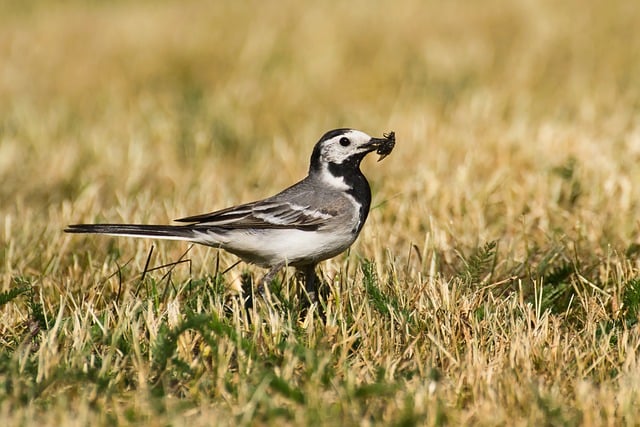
[385, 149]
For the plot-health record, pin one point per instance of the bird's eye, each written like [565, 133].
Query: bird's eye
[344, 141]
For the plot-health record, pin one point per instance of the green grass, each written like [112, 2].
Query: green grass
[496, 282]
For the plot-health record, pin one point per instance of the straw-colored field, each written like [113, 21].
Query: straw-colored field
[496, 282]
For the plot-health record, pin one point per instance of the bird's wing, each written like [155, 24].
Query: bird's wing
[268, 213]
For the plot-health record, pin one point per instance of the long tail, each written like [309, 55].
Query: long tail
[170, 232]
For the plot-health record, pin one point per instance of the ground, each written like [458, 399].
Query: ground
[496, 282]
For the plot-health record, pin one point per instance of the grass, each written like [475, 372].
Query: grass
[497, 280]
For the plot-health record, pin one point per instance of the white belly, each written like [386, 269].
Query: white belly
[273, 246]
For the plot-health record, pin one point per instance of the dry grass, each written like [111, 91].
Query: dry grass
[517, 123]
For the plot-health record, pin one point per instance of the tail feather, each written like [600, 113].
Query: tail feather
[171, 232]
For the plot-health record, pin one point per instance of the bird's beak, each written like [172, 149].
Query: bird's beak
[383, 146]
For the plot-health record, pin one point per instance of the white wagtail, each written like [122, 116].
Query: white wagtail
[311, 221]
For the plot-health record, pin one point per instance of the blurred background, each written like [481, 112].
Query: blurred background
[512, 118]
[503, 236]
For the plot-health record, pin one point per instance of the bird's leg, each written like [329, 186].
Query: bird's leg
[268, 278]
[311, 282]
[263, 284]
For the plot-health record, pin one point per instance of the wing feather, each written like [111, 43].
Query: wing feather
[264, 214]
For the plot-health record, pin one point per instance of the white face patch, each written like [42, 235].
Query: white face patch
[334, 152]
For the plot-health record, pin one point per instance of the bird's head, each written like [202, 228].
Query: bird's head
[347, 148]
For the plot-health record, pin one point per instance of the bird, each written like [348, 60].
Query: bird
[311, 221]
